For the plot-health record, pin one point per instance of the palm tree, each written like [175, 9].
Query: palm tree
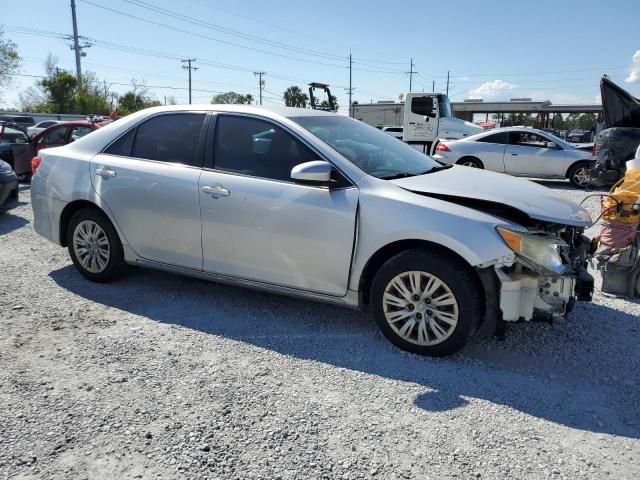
[293, 97]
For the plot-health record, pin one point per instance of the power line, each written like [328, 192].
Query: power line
[229, 31]
[200, 35]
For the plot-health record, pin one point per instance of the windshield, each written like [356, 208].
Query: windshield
[444, 106]
[558, 140]
[377, 153]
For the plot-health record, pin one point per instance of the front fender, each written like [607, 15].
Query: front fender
[399, 215]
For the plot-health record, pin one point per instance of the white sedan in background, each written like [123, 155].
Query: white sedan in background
[519, 151]
[40, 126]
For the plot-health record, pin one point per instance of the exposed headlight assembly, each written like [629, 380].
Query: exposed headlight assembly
[540, 250]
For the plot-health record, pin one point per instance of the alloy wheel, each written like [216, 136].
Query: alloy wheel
[91, 246]
[580, 176]
[420, 308]
[469, 163]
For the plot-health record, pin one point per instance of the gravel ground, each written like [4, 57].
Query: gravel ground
[161, 376]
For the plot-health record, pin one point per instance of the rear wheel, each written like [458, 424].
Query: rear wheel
[426, 302]
[470, 162]
[94, 246]
[578, 174]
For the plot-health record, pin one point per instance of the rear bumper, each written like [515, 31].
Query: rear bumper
[47, 212]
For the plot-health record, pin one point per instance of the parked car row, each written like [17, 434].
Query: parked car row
[519, 151]
[23, 148]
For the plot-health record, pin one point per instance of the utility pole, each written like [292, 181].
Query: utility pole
[350, 89]
[411, 73]
[76, 42]
[433, 86]
[260, 82]
[189, 67]
[447, 83]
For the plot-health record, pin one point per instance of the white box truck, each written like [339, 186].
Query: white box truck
[425, 119]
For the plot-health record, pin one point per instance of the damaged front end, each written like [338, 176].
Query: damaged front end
[548, 274]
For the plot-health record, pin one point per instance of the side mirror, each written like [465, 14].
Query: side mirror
[317, 172]
[552, 145]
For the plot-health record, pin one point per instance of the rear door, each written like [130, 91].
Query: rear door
[22, 149]
[148, 179]
[529, 154]
[257, 224]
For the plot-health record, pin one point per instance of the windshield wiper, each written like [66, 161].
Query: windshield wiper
[437, 168]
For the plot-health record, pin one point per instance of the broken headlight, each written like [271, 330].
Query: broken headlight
[541, 250]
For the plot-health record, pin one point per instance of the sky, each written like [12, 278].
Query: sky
[495, 50]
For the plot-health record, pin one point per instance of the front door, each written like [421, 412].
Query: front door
[259, 225]
[528, 154]
[148, 179]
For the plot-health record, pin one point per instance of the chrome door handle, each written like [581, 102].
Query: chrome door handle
[105, 172]
[216, 191]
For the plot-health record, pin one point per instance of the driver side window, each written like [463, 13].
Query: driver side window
[56, 137]
[254, 147]
[423, 106]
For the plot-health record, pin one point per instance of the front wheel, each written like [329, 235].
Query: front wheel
[426, 302]
[579, 174]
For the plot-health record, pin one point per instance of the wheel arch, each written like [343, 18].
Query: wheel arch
[470, 157]
[392, 249]
[70, 209]
[573, 164]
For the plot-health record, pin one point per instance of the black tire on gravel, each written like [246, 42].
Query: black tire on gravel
[115, 266]
[458, 277]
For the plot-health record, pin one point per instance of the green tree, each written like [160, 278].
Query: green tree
[138, 98]
[558, 122]
[9, 59]
[294, 97]
[93, 96]
[232, 98]
[587, 121]
[61, 91]
[325, 103]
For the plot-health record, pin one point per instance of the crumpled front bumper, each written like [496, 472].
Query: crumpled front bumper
[525, 294]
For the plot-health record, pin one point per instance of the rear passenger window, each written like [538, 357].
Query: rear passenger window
[171, 138]
[123, 145]
[495, 138]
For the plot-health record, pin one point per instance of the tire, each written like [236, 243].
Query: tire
[578, 174]
[105, 261]
[457, 317]
[470, 162]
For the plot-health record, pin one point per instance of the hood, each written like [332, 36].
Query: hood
[620, 108]
[498, 194]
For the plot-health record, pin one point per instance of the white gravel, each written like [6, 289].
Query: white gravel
[161, 376]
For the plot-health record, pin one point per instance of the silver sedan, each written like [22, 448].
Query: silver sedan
[316, 205]
[519, 151]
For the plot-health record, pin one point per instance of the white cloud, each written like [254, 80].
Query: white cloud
[634, 74]
[494, 90]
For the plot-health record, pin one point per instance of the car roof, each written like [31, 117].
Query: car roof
[255, 109]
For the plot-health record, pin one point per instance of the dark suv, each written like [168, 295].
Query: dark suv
[618, 142]
[24, 120]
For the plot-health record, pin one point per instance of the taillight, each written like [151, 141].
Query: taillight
[442, 147]
[595, 149]
[35, 163]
